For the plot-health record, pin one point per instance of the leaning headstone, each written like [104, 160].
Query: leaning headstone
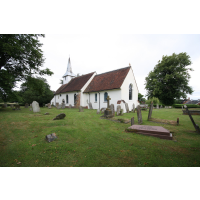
[112, 108]
[90, 105]
[51, 137]
[132, 121]
[139, 115]
[98, 111]
[26, 105]
[60, 116]
[127, 108]
[80, 109]
[63, 105]
[118, 110]
[35, 106]
[150, 111]
[133, 107]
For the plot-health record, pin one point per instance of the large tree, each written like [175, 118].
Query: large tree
[20, 57]
[169, 79]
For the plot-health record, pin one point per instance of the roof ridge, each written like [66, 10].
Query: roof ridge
[113, 70]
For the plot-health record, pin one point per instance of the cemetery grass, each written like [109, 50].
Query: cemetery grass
[86, 140]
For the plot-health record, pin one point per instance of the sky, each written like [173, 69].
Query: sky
[106, 52]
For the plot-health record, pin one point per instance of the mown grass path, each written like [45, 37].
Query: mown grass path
[85, 140]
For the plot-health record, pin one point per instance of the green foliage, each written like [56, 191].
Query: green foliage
[188, 105]
[154, 99]
[20, 57]
[36, 89]
[169, 79]
[140, 98]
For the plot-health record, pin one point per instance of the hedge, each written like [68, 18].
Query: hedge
[188, 105]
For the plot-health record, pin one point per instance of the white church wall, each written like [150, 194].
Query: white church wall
[130, 79]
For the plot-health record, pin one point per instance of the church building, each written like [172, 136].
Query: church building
[120, 85]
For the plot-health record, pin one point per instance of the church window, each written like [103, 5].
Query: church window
[60, 95]
[130, 92]
[105, 96]
[67, 98]
[74, 98]
[96, 97]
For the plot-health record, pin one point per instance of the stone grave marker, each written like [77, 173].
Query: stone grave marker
[118, 110]
[80, 109]
[26, 105]
[132, 121]
[98, 111]
[112, 108]
[63, 105]
[49, 105]
[90, 105]
[155, 131]
[150, 111]
[60, 116]
[133, 107]
[57, 104]
[170, 107]
[157, 106]
[70, 106]
[139, 115]
[127, 108]
[108, 112]
[35, 106]
[102, 110]
[161, 106]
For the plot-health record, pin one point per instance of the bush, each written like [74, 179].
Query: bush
[188, 105]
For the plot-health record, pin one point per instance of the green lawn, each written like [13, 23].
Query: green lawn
[86, 140]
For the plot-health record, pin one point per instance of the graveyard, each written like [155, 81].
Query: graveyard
[83, 138]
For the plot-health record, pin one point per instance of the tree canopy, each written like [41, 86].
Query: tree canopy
[169, 79]
[141, 98]
[20, 57]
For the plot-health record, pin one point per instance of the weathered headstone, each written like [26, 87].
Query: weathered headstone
[150, 111]
[132, 121]
[157, 106]
[80, 109]
[161, 106]
[35, 106]
[57, 104]
[98, 111]
[90, 105]
[108, 112]
[118, 110]
[112, 108]
[51, 137]
[170, 107]
[17, 107]
[121, 112]
[70, 106]
[127, 108]
[26, 105]
[139, 115]
[133, 107]
[49, 105]
[102, 110]
[63, 105]
[60, 116]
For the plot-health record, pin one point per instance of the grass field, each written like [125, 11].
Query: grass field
[85, 140]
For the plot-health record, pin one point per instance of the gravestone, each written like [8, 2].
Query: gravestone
[118, 110]
[46, 105]
[112, 108]
[170, 107]
[70, 106]
[161, 106]
[155, 131]
[127, 108]
[157, 106]
[63, 105]
[17, 107]
[51, 137]
[31, 109]
[60, 116]
[98, 111]
[57, 104]
[108, 112]
[132, 121]
[49, 105]
[102, 110]
[90, 105]
[26, 105]
[31, 105]
[121, 112]
[150, 111]
[80, 109]
[35, 106]
[133, 107]
[139, 115]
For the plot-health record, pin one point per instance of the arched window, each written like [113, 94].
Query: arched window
[67, 98]
[130, 92]
[95, 97]
[105, 96]
[74, 98]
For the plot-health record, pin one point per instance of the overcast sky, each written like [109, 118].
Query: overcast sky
[106, 52]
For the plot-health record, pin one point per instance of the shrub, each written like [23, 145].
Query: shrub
[188, 105]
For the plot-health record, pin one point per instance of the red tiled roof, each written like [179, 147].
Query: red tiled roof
[60, 88]
[108, 81]
[75, 84]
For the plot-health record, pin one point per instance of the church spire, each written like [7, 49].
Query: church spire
[69, 68]
[68, 74]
